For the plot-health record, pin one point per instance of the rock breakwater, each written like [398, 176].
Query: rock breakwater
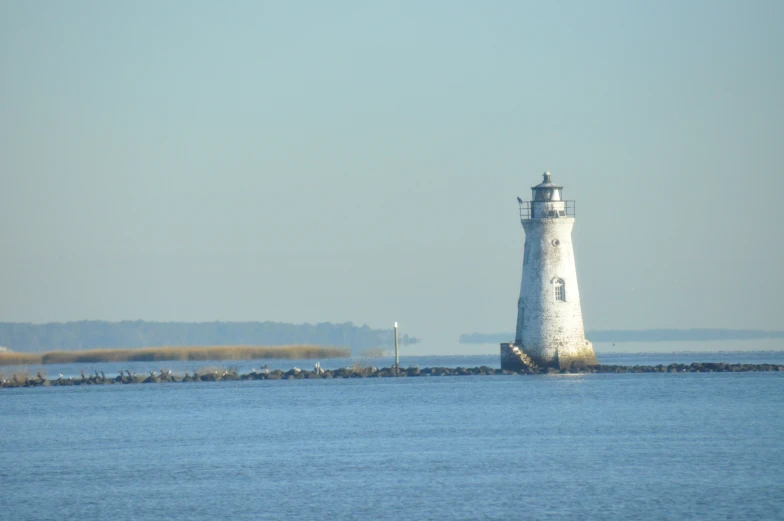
[126, 377]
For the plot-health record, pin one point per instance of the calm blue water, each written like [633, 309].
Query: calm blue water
[611, 447]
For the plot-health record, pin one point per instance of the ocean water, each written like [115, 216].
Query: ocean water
[603, 446]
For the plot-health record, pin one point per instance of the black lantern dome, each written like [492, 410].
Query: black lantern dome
[546, 191]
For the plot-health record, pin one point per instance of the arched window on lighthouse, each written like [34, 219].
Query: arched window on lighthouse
[560, 290]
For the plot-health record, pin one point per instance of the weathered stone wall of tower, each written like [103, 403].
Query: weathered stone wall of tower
[550, 331]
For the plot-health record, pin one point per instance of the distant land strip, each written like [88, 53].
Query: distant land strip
[99, 334]
[188, 353]
[642, 335]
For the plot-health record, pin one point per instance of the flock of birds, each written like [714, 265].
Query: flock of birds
[162, 373]
[127, 376]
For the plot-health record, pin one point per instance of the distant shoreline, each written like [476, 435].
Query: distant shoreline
[127, 334]
[643, 335]
[182, 353]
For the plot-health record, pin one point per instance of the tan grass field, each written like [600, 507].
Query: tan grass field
[184, 353]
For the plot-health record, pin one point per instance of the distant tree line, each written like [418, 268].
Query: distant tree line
[94, 334]
[641, 335]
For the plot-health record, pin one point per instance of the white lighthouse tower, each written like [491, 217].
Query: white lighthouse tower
[549, 318]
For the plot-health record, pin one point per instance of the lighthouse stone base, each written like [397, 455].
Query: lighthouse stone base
[515, 358]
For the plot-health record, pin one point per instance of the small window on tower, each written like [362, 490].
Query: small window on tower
[560, 290]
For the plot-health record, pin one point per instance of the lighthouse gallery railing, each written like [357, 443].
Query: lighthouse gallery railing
[526, 210]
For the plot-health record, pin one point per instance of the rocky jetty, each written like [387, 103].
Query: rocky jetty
[126, 377]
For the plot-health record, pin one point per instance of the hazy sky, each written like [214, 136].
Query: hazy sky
[359, 161]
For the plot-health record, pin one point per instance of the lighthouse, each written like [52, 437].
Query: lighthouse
[549, 317]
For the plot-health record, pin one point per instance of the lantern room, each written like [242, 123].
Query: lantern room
[546, 202]
[546, 191]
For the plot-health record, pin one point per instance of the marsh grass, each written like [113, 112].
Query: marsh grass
[12, 358]
[189, 353]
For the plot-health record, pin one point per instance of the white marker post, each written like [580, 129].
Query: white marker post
[397, 360]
